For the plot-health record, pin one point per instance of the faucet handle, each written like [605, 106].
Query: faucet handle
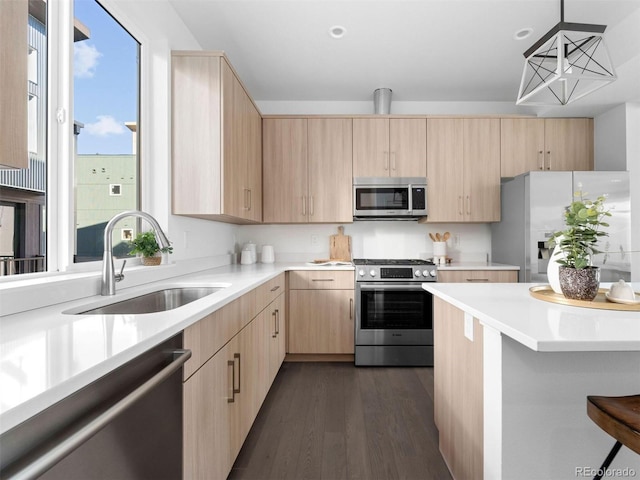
[120, 276]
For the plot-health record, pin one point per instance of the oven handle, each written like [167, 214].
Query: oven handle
[387, 286]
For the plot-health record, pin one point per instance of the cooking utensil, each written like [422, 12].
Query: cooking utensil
[432, 237]
[438, 237]
[446, 236]
[340, 246]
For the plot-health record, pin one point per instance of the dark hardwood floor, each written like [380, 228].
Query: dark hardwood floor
[334, 421]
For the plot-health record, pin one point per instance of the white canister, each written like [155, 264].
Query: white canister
[439, 249]
[251, 247]
[268, 255]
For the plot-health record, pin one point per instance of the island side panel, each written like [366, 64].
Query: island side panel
[546, 432]
[458, 390]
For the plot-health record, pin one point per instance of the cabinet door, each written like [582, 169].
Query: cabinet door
[13, 78]
[370, 147]
[408, 146]
[234, 144]
[252, 187]
[481, 170]
[321, 321]
[330, 170]
[522, 146]
[196, 168]
[445, 160]
[285, 170]
[276, 333]
[569, 144]
[478, 276]
[209, 407]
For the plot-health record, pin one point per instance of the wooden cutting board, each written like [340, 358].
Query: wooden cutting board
[340, 246]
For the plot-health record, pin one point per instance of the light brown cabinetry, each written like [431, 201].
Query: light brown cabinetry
[478, 276]
[321, 312]
[463, 170]
[216, 141]
[233, 364]
[307, 170]
[384, 147]
[559, 144]
[458, 390]
[14, 50]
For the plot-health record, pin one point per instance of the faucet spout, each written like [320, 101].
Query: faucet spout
[108, 272]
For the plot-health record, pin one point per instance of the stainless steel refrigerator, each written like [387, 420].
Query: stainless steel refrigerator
[532, 209]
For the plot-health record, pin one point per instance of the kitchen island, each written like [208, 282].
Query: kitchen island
[511, 378]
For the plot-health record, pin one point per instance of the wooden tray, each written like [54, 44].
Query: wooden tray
[546, 293]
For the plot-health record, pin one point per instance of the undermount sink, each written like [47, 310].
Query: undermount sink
[158, 301]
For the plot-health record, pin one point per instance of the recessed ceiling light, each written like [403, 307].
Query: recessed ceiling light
[523, 33]
[337, 31]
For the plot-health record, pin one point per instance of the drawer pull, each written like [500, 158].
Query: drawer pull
[351, 309]
[477, 279]
[277, 312]
[232, 364]
[274, 314]
[322, 279]
[237, 355]
[275, 288]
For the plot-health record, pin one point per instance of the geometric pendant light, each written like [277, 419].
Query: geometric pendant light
[570, 61]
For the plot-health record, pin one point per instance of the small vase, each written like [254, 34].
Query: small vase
[580, 283]
[151, 261]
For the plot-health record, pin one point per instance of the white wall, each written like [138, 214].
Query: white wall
[370, 239]
[633, 165]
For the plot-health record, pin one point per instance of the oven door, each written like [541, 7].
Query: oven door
[397, 313]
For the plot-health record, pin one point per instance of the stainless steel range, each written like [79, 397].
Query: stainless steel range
[394, 315]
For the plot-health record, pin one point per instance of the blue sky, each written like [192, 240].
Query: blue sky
[105, 82]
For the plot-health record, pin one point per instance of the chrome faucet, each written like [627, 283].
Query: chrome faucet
[109, 278]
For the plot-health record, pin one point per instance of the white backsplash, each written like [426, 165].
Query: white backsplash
[370, 239]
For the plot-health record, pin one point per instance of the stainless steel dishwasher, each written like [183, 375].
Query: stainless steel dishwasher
[126, 425]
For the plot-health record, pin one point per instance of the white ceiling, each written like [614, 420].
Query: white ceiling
[424, 50]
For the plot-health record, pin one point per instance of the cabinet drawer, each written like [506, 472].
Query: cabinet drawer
[321, 280]
[268, 292]
[477, 276]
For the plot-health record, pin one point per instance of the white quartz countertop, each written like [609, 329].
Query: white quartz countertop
[540, 325]
[46, 354]
[477, 266]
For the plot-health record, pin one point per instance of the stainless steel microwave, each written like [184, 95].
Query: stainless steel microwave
[389, 198]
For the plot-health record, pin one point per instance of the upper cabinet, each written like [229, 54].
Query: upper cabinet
[14, 51]
[559, 144]
[307, 170]
[463, 170]
[216, 141]
[389, 147]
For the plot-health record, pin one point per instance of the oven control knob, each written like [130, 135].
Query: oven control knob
[372, 273]
[432, 273]
[425, 273]
[361, 273]
[417, 273]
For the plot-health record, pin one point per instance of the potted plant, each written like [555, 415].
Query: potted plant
[584, 220]
[146, 245]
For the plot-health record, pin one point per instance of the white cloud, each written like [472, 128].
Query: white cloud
[104, 126]
[85, 60]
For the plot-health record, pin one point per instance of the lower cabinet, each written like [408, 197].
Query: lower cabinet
[321, 312]
[223, 395]
[458, 390]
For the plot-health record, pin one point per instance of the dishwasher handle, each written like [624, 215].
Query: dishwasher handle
[52, 456]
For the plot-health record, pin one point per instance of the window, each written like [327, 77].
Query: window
[92, 172]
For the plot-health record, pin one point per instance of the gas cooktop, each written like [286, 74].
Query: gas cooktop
[374, 261]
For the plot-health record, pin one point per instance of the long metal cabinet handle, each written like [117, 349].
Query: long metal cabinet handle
[386, 160]
[249, 190]
[304, 206]
[351, 309]
[541, 155]
[322, 279]
[232, 364]
[73, 441]
[277, 312]
[393, 160]
[274, 314]
[275, 288]
[477, 279]
[311, 205]
[237, 355]
[468, 204]
[460, 205]
[549, 158]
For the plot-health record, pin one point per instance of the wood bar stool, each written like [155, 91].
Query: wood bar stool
[620, 418]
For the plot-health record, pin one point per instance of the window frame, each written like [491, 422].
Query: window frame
[60, 229]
